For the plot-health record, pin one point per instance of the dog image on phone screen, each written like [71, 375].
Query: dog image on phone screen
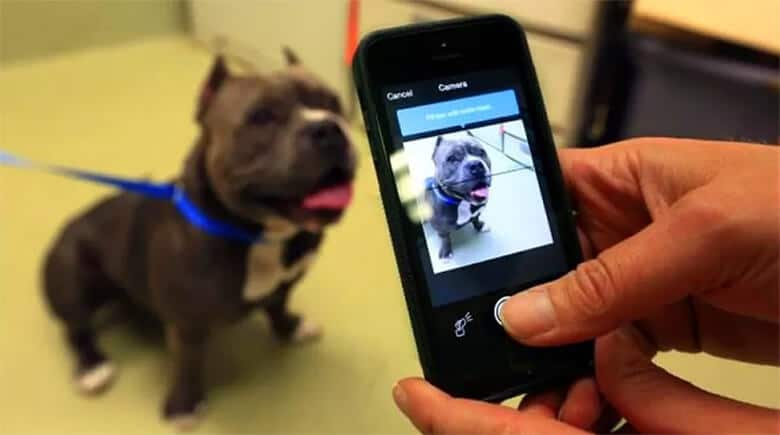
[459, 189]
[273, 158]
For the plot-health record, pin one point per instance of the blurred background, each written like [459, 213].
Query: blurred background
[110, 85]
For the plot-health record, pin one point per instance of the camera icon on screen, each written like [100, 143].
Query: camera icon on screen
[460, 325]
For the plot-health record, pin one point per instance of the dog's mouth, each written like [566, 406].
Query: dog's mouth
[332, 193]
[480, 191]
[324, 203]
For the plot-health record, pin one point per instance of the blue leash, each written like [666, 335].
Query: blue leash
[164, 191]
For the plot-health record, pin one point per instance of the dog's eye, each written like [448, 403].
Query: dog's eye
[477, 152]
[260, 116]
[453, 159]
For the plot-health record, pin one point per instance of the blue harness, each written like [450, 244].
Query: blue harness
[164, 191]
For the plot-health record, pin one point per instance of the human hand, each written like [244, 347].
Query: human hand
[650, 399]
[683, 241]
[433, 411]
[685, 238]
[668, 221]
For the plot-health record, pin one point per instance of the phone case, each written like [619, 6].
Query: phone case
[395, 213]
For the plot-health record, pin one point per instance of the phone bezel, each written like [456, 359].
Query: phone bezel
[474, 44]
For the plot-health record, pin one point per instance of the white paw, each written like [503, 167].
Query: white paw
[185, 422]
[485, 228]
[188, 422]
[307, 330]
[446, 260]
[96, 379]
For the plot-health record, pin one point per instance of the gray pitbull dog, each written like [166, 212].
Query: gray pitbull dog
[458, 191]
[272, 158]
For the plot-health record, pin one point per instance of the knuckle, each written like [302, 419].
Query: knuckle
[714, 220]
[592, 288]
[638, 376]
[636, 142]
[638, 146]
[631, 375]
[703, 211]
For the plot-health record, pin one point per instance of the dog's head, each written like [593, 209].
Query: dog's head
[276, 145]
[462, 168]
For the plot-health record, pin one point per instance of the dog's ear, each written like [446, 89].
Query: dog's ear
[290, 56]
[436, 147]
[216, 78]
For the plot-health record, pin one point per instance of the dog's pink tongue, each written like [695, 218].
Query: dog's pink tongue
[332, 198]
[481, 193]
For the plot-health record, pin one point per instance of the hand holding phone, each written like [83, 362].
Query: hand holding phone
[473, 196]
[730, 311]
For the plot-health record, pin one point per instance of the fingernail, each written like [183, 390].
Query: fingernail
[528, 313]
[399, 396]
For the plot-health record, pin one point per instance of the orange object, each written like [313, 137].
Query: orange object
[353, 31]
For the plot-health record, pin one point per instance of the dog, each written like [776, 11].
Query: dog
[459, 188]
[273, 157]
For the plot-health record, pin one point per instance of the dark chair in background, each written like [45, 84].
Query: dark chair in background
[675, 84]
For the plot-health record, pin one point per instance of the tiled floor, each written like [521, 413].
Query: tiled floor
[128, 110]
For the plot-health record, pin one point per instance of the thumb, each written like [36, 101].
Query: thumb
[654, 401]
[627, 281]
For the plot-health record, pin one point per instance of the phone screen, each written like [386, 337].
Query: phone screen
[466, 171]
[474, 170]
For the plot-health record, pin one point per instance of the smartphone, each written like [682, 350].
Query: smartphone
[473, 195]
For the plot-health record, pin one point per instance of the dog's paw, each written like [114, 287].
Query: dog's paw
[182, 415]
[445, 256]
[485, 228]
[95, 379]
[307, 330]
[185, 422]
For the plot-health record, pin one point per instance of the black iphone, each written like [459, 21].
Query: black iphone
[473, 195]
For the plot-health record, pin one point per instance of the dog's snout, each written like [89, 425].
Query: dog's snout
[477, 169]
[328, 136]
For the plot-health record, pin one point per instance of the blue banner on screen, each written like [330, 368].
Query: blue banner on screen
[460, 112]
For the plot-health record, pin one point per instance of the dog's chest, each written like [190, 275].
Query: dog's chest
[466, 212]
[272, 264]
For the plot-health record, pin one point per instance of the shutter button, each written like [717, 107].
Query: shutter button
[497, 309]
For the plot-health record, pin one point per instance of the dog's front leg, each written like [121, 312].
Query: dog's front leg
[287, 325]
[479, 224]
[186, 396]
[445, 252]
